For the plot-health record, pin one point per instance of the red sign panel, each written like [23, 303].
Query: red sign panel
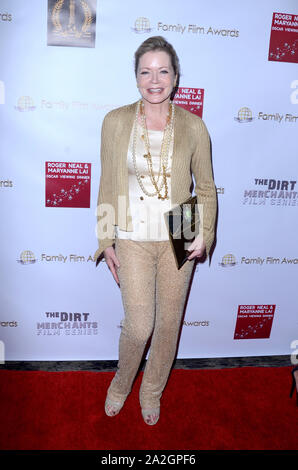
[284, 38]
[254, 321]
[191, 99]
[68, 184]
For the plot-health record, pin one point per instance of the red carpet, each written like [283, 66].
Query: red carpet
[227, 409]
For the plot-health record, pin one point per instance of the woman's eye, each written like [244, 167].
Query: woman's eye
[144, 72]
[164, 71]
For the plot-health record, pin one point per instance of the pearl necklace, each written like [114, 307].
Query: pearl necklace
[164, 153]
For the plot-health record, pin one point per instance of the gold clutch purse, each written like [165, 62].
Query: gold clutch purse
[183, 223]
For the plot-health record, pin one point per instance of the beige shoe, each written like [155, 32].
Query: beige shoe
[112, 408]
[151, 415]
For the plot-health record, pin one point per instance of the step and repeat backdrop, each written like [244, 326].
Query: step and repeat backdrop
[64, 65]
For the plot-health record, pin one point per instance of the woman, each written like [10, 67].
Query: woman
[149, 151]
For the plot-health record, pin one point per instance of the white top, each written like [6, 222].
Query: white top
[147, 211]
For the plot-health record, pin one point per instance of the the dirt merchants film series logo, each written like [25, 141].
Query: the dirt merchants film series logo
[191, 99]
[254, 321]
[67, 323]
[269, 191]
[283, 45]
[71, 23]
[68, 184]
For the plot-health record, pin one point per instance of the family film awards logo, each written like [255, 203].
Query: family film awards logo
[71, 23]
[244, 115]
[25, 104]
[142, 25]
[27, 257]
[283, 46]
[228, 261]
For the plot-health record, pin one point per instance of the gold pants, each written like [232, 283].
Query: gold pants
[153, 293]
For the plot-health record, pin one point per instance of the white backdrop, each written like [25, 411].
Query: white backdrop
[55, 305]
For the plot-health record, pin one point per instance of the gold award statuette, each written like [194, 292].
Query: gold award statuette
[71, 23]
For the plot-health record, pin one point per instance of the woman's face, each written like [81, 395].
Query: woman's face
[155, 76]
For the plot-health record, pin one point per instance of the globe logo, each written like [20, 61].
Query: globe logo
[244, 115]
[228, 260]
[142, 25]
[25, 103]
[27, 257]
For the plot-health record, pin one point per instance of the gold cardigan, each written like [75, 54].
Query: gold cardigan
[191, 155]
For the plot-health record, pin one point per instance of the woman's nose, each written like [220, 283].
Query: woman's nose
[154, 77]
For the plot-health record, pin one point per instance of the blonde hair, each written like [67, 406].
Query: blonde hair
[158, 43]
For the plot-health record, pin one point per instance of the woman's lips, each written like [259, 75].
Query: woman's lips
[155, 91]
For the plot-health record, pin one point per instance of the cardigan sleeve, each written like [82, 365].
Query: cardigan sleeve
[105, 229]
[201, 167]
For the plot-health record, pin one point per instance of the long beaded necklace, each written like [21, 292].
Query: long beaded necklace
[164, 153]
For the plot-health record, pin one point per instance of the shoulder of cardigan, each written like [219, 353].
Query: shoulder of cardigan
[189, 119]
[125, 111]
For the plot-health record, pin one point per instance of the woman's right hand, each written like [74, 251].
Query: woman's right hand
[112, 262]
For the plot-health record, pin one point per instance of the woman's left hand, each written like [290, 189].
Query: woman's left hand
[197, 248]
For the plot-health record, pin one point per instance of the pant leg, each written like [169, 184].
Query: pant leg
[137, 273]
[171, 291]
